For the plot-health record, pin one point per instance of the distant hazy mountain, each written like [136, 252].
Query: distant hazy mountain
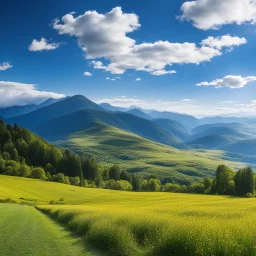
[65, 125]
[236, 129]
[139, 113]
[245, 147]
[109, 107]
[173, 127]
[186, 121]
[213, 141]
[22, 110]
[54, 110]
[226, 119]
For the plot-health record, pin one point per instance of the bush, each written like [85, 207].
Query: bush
[249, 195]
[24, 171]
[75, 181]
[169, 187]
[38, 173]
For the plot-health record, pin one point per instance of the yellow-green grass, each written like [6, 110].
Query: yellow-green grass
[25, 231]
[111, 145]
[131, 223]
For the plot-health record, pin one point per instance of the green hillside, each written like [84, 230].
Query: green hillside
[136, 154]
[65, 125]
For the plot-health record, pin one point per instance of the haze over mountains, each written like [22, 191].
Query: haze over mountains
[58, 120]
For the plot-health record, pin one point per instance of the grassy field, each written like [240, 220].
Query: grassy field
[26, 231]
[130, 223]
[136, 154]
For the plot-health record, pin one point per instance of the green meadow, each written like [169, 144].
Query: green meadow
[131, 223]
[136, 154]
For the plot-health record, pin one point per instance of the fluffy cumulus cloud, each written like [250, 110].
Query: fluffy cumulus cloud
[106, 36]
[42, 45]
[4, 66]
[87, 73]
[138, 79]
[233, 82]
[14, 93]
[223, 41]
[209, 14]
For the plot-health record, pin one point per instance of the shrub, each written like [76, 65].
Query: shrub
[249, 195]
[7, 170]
[60, 177]
[38, 173]
[169, 187]
[75, 181]
[24, 171]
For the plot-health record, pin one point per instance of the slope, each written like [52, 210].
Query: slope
[173, 127]
[136, 154]
[244, 147]
[213, 141]
[54, 110]
[186, 121]
[63, 126]
[139, 113]
[236, 129]
[22, 110]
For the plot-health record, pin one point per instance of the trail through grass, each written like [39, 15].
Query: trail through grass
[24, 231]
[139, 224]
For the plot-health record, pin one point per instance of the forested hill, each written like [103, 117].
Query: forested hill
[21, 148]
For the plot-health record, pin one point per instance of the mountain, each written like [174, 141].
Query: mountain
[139, 113]
[244, 147]
[62, 126]
[16, 110]
[236, 133]
[212, 141]
[22, 110]
[173, 127]
[186, 121]
[54, 110]
[226, 119]
[138, 155]
[236, 129]
[109, 107]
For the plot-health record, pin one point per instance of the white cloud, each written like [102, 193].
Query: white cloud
[105, 36]
[87, 74]
[233, 82]
[42, 45]
[223, 41]
[212, 14]
[138, 79]
[187, 100]
[4, 66]
[163, 72]
[14, 93]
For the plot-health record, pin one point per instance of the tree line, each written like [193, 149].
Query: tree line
[24, 154]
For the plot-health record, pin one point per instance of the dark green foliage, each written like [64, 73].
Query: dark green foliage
[223, 176]
[114, 172]
[244, 181]
[38, 173]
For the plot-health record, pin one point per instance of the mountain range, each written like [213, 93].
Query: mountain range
[57, 120]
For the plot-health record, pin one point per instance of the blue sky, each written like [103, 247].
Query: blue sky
[138, 40]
